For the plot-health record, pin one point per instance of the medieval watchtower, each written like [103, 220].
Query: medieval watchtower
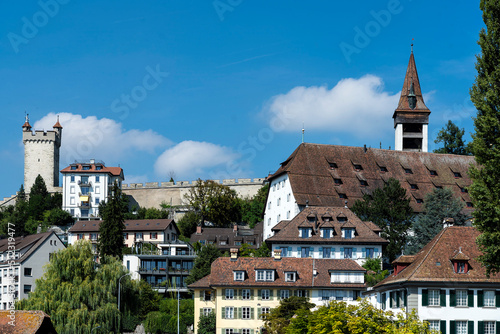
[411, 117]
[41, 155]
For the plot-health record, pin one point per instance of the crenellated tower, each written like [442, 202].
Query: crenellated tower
[41, 155]
[411, 117]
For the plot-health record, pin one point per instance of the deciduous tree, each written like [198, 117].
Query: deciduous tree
[374, 273]
[279, 318]
[206, 324]
[203, 262]
[485, 94]
[452, 138]
[389, 208]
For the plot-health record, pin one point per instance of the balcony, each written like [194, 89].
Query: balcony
[84, 205]
[84, 183]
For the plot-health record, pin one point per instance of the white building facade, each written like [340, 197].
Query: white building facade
[85, 185]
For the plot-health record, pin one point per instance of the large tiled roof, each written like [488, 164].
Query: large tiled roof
[130, 225]
[230, 236]
[115, 171]
[27, 244]
[315, 182]
[433, 263]
[364, 230]
[223, 268]
[26, 322]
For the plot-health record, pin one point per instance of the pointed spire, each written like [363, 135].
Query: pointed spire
[411, 89]
[57, 125]
[26, 126]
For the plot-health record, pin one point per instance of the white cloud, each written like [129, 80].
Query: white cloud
[85, 138]
[357, 107]
[192, 159]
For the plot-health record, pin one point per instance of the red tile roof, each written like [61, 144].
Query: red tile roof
[84, 226]
[26, 322]
[411, 77]
[223, 268]
[364, 231]
[433, 263]
[312, 177]
[115, 171]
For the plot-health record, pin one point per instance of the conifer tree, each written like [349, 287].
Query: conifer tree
[111, 241]
[39, 199]
[485, 94]
[19, 215]
[452, 138]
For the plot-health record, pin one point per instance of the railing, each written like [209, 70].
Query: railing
[84, 205]
[84, 183]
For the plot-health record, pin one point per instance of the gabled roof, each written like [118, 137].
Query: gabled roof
[243, 234]
[114, 171]
[25, 245]
[312, 178]
[364, 230]
[223, 268]
[433, 263]
[86, 226]
[26, 322]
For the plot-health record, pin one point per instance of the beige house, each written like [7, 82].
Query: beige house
[240, 290]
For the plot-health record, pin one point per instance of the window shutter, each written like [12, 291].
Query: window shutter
[251, 293]
[497, 298]
[363, 253]
[453, 298]
[259, 312]
[391, 297]
[239, 313]
[480, 298]
[470, 298]
[332, 254]
[271, 294]
[398, 305]
[375, 252]
[442, 295]
[289, 251]
[239, 292]
[223, 294]
[470, 327]
[201, 311]
[341, 253]
[259, 293]
[311, 251]
[405, 300]
[251, 331]
[321, 252]
[453, 327]
[480, 327]
[223, 312]
[425, 297]
[442, 326]
[354, 255]
[251, 313]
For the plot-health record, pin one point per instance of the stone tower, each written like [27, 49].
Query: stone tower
[41, 155]
[411, 117]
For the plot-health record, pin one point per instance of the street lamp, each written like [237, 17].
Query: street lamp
[119, 289]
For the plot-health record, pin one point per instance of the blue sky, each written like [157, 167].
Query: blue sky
[220, 89]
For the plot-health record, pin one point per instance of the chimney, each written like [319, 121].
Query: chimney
[198, 229]
[364, 148]
[277, 254]
[235, 228]
[447, 222]
[234, 254]
[307, 203]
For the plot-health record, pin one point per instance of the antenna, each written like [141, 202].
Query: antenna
[302, 133]
[412, 44]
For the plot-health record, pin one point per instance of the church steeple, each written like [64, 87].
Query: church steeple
[411, 117]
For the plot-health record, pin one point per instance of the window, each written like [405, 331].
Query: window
[85, 191]
[347, 253]
[207, 311]
[327, 233]
[246, 313]
[434, 325]
[408, 171]
[28, 272]
[125, 235]
[265, 310]
[229, 293]
[489, 299]
[98, 167]
[489, 327]
[348, 233]
[72, 212]
[469, 204]
[284, 294]
[138, 235]
[461, 297]
[279, 201]
[363, 183]
[27, 288]
[86, 167]
[278, 219]
[337, 181]
[229, 312]
[288, 197]
[383, 169]
[229, 331]
[246, 331]
[97, 190]
[290, 276]
[463, 190]
[370, 252]
[327, 252]
[269, 222]
[434, 297]
[304, 252]
[207, 295]
[246, 294]
[73, 167]
[304, 232]
[413, 186]
[288, 214]
[333, 165]
[265, 294]
[284, 251]
[461, 327]
[265, 275]
[358, 167]
[239, 275]
[93, 236]
[97, 200]
[79, 236]
[84, 180]
[433, 173]
[97, 179]
[457, 174]
[343, 196]
[419, 200]
[460, 267]
[72, 189]
[72, 200]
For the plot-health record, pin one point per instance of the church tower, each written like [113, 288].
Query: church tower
[41, 155]
[411, 117]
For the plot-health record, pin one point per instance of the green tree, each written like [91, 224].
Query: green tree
[39, 199]
[438, 205]
[252, 209]
[206, 324]
[389, 208]
[279, 318]
[112, 226]
[188, 223]
[485, 94]
[20, 214]
[214, 202]
[452, 138]
[263, 251]
[374, 273]
[203, 262]
[148, 299]
[57, 216]
[79, 295]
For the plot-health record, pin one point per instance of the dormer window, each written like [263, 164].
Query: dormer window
[304, 232]
[408, 171]
[341, 219]
[433, 172]
[363, 183]
[337, 182]
[461, 267]
[343, 196]
[463, 190]
[358, 167]
[239, 275]
[74, 167]
[326, 233]
[333, 165]
[469, 204]
[413, 186]
[383, 169]
[419, 200]
[86, 167]
[98, 167]
[290, 276]
[348, 233]
[457, 175]
[264, 275]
